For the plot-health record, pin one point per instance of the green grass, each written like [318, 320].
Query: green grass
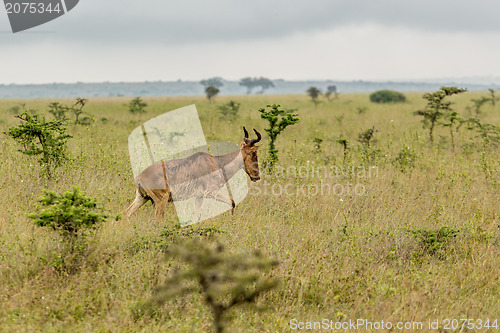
[422, 242]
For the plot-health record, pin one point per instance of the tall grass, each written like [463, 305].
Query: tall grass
[342, 255]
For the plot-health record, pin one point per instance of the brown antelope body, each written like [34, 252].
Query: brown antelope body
[184, 177]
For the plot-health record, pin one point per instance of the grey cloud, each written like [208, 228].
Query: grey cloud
[190, 21]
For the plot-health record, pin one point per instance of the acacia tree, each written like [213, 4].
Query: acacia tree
[278, 120]
[452, 119]
[345, 143]
[225, 280]
[43, 138]
[492, 96]
[331, 90]
[248, 83]
[490, 135]
[264, 84]
[211, 92]
[251, 83]
[437, 106]
[59, 111]
[478, 104]
[214, 82]
[314, 93]
[77, 109]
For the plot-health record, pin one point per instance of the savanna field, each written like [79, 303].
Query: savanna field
[407, 231]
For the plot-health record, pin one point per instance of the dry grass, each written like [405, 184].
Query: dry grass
[342, 256]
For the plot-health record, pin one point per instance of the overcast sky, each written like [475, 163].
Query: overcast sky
[123, 40]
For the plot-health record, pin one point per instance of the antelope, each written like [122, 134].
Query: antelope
[152, 184]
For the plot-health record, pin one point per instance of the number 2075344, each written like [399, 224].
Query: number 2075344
[471, 324]
[32, 8]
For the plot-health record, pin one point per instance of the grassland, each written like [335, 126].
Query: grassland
[369, 254]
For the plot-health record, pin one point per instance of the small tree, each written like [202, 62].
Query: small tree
[77, 109]
[248, 83]
[214, 82]
[405, 159]
[70, 213]
[493, 98]
[366, 138]
[251, 83]
[361, 109]
[58, 110]
[317, 144]
[264, 84]
[137, 105]
[478, 104]
[225, 280]
[211, 92]
[436, 106]
[331, 90]
[278, 120]
[344, 144]
[229, 110]
[490, 135]
[39, 137]
[452, 119]
[314, 93]
[328, 96]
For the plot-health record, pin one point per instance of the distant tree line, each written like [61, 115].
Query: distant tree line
[252, 83]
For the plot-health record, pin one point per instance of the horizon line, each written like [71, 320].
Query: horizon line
[423, 81]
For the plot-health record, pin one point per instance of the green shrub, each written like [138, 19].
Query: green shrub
[405, 159]
[229, 110]
[137, 105]
[70, 213]
[387, 96]
[43, 138]
[278, 120]
[434, 242]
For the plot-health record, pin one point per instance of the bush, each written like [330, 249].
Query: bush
[278, 120]
[137, 105]
[39, 137]
[229, 110]
[68, 213]
[387, 96]
[434, 242]
[74, 216]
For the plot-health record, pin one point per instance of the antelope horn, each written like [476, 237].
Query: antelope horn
[254, 141]
[246, 135]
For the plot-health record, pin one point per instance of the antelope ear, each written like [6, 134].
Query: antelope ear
[257, 146]
[243, 144]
